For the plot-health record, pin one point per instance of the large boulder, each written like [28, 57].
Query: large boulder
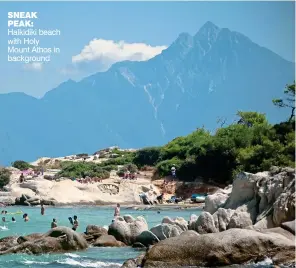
[289, 226]
[133, 263]
[147, 238]
[284, 206]
[93, 232]
[60, 239]
[108, 241]
[192, 221]
[205, 224]
[179, 221]
[240, 220]
[233, 246]
[267, 198]
[127, 232]
[165, 230]
[217, 200]
[8, 242]
[222, 218]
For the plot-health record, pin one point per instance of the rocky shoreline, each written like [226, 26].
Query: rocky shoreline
[247, 222]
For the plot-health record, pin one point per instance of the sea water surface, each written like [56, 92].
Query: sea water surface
[93, 257]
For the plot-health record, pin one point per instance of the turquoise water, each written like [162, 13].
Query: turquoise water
[92, 257]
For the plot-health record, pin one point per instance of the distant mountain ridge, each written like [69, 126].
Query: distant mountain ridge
[195, 81]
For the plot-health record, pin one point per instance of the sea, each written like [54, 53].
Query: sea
[95, 257]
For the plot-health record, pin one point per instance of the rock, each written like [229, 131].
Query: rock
[108, 241]
[94, 229]
[138, 245]
[284, 206]
[8, 242]
[192, 220]
[128, 218]
[265, 198]
[127, 232]
[242, 190]
[93, 232]
[222, 218]
[240, 220]
[289, 226]
[165, 230]
[234, 246]
[181, 222]
[147, 238]
[190, 233]
[214, 201]
[205, 224]
[30, 237]
[264, 223]
[134, 263]
[60, 239]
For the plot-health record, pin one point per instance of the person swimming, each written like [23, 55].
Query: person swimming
[54, 223]
[13, 219]
[3, 219]
[26, 217]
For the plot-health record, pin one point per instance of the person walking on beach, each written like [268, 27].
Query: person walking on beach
[117, 211]
[54, 223]
[42, 210]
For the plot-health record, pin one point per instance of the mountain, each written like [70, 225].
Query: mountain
[195, 81]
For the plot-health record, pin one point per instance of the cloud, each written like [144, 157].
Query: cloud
[108, 52]
[34, 66]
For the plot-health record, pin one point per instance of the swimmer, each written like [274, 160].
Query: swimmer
[13, 219]
[54, 223]
[26, 217]
[3, 219]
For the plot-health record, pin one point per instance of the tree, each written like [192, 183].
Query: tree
[4, 177]
[21, 165]
[251, 119]
[289, 101]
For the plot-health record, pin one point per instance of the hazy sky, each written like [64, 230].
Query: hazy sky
[145, 27]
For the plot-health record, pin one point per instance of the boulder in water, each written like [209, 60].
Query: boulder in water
[127, 232]
[233, 246]
[60, 239]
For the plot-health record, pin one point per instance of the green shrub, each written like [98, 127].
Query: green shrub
[4, 177]
[21, 165]
[147, 156]
[83, 155]
[164, 167]
[82, 169]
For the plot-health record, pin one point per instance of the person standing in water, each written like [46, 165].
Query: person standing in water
[42, 209]
[54, 223]
[117, 211]
[75, 223]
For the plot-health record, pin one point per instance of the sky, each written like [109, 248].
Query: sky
[94, 35]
